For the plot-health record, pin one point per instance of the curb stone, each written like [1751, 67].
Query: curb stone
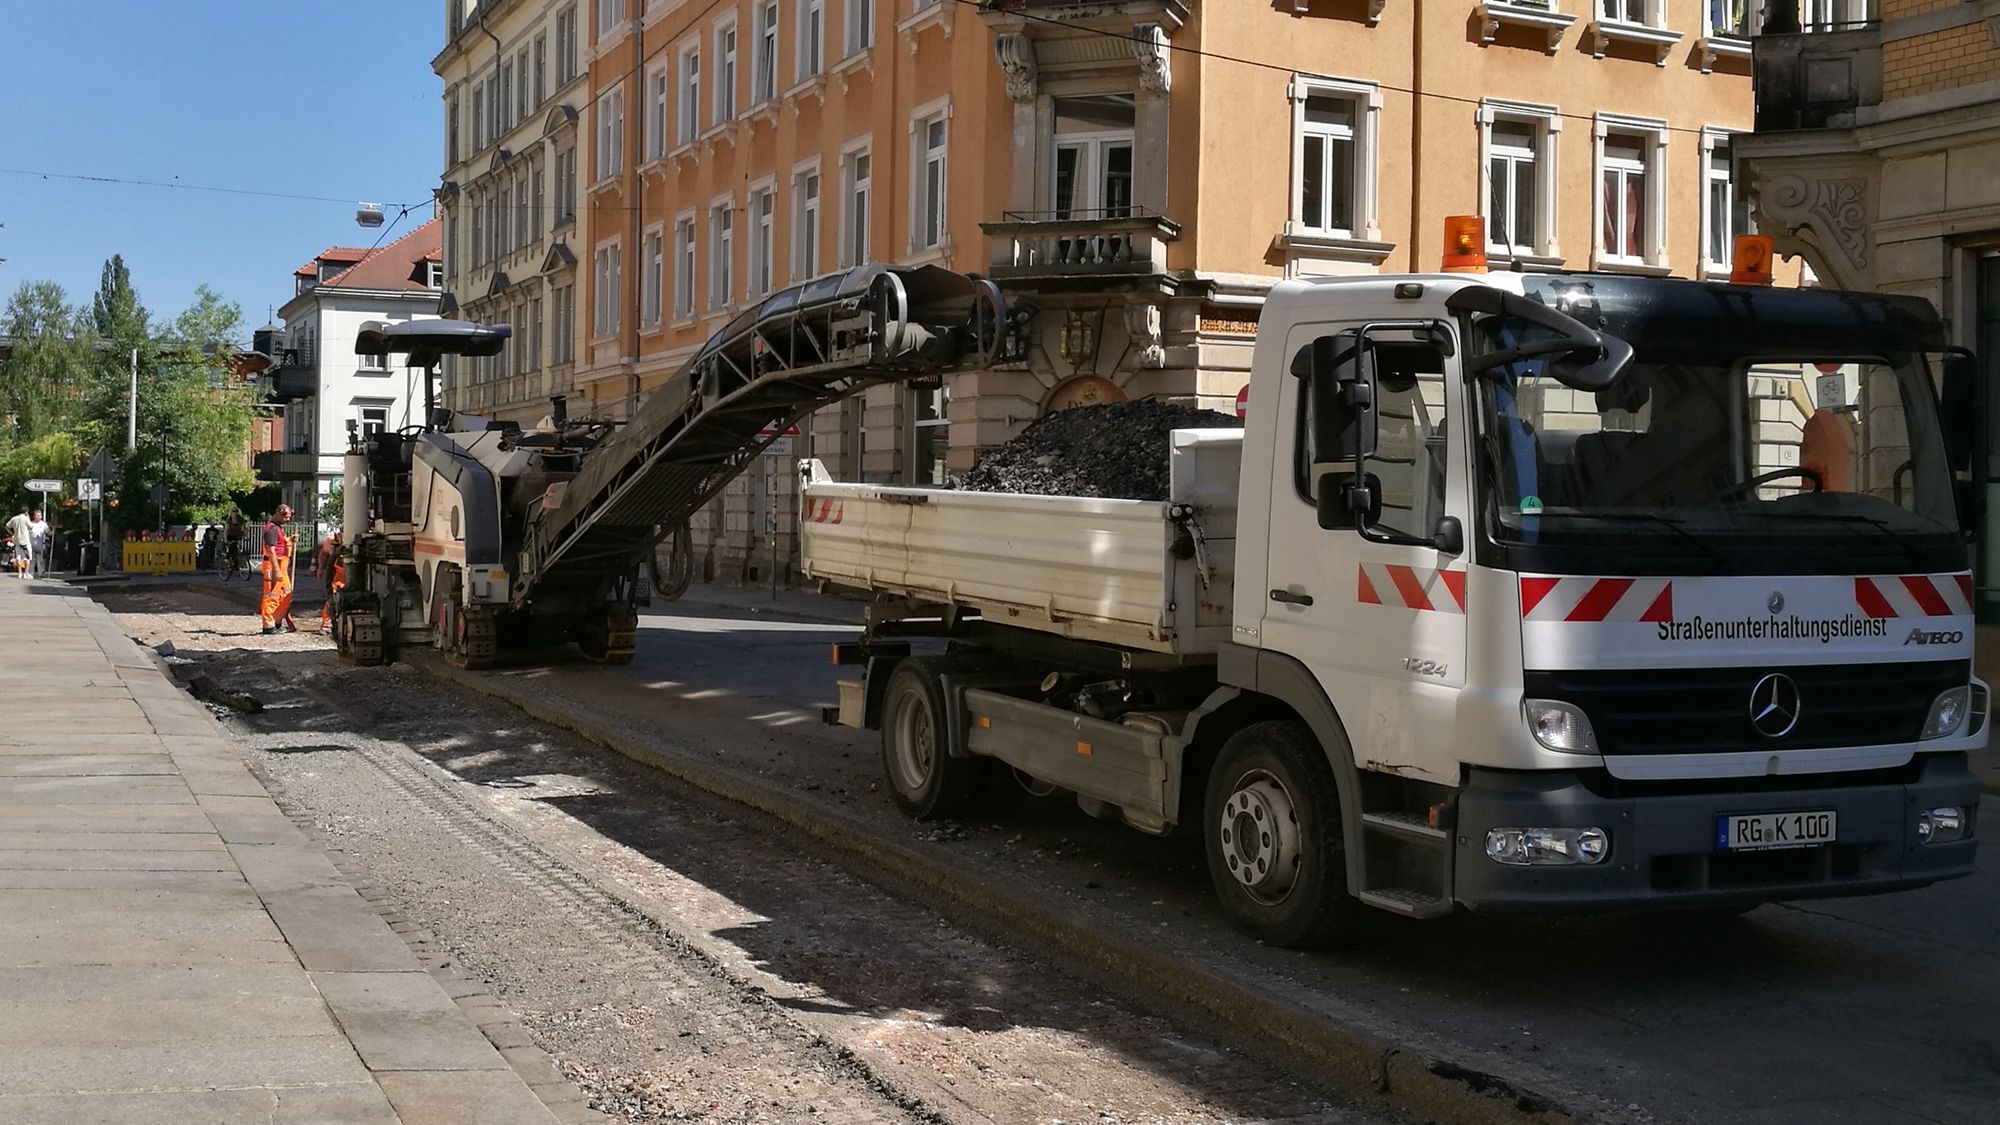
[1360, 1060]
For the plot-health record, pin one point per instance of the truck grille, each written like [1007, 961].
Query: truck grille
[1707, 710]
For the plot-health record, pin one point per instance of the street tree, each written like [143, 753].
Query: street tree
[46, 372]
[195, 418]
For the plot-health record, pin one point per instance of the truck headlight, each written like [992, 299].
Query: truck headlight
[1945, 825]
[1547, 847]
[1949, 713]
[1559, 726]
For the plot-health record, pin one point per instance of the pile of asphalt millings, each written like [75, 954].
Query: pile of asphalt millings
[1118, 450]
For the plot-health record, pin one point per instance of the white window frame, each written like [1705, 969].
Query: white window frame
[565, 171]
[760, 216]
[567, 38]
[855, 234]
[687, 263]
[606, 281]
[1365, 135]
[1753, 20]
[1712, 138]
[659, 91]
[522, 106]
[811, 60]
[688, 108]
[1652, 12]
[1092, 160]
[1547, 122]
[610, 18]
[611, 133]
[858, 25]
[721, 252]
[653, 275]
[363, 405]
[723, 97]
[764, 53]
[922, 160]
[1652, 133]
[541, 69]
[808, 219]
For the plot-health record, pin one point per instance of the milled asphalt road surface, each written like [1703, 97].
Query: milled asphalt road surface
[1864, 1010]
[676, 959]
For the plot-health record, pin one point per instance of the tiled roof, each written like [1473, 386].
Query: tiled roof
[397, 265]
[348, 254]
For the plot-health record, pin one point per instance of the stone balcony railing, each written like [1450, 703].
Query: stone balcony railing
[1816, 79]
[1030, 246]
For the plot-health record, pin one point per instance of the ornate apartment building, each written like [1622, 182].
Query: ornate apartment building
[1140, 171]
[1876, 157]
[515, 94]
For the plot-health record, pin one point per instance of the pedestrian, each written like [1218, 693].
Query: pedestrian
[38, 546]
[232, 544]
[274, 609]
[328, 561]
[20, 540]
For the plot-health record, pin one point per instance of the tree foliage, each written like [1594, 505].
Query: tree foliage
[65, 390]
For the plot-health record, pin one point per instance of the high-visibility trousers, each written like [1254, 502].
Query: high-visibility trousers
[275, 607]
[335, 583]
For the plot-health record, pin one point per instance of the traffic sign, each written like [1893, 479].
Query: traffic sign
[41, 485]
[1243, 401]
[87, 489]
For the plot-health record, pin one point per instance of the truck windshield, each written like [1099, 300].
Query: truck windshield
[1708, 457]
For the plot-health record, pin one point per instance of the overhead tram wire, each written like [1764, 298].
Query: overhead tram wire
[171, 184]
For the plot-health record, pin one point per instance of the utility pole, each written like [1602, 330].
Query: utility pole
[132, 418]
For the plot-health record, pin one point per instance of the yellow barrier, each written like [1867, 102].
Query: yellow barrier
[170, 557]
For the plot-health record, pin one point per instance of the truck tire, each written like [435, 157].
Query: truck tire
[1272, 825]
[925, 780]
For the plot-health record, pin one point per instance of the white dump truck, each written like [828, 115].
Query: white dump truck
[1514, 592]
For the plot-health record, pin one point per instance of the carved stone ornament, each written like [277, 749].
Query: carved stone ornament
[1142, 323]
[1149, 46]
[1836, 210]
[1016, 56]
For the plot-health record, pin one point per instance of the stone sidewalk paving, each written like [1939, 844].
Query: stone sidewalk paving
[172, 948]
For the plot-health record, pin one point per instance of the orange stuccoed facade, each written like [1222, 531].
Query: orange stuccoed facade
[1139, 171]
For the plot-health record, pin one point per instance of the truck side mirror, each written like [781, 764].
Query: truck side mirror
[1340, 385]
[1959, 409]
[1962, 420]
[1346, 502]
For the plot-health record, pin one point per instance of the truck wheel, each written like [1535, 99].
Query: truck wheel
[926, 781]
[1273, 830]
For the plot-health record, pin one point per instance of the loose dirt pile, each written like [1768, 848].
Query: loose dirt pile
[1118, 450]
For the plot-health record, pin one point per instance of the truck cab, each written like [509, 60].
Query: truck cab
[1606, 591]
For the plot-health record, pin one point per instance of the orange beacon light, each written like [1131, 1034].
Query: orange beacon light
[1750, 261]
[1464, 244]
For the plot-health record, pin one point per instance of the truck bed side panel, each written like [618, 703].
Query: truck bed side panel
[1076, 566]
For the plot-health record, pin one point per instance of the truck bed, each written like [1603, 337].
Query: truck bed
[1094, 569]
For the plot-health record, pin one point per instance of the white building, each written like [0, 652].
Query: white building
[322, 384]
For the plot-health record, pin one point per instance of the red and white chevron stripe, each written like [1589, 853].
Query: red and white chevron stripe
[1914, 595]
[1597, 599]
[825, 511]
[1411, 587]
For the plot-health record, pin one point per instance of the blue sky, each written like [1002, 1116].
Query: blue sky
[332, 99]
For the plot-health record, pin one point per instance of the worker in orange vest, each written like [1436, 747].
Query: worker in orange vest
[329, 562]
[274, 609]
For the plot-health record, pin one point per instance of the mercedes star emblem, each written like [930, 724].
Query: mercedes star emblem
[1777, 603]
[1774, 705]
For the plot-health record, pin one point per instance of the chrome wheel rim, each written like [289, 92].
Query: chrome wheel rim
[1260, 838]
[913, 747]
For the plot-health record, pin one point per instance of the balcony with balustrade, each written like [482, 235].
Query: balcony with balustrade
[1079, 249]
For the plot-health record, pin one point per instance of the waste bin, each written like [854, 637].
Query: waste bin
[86, 558]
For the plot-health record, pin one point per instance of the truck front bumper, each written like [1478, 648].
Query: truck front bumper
[1663, 845]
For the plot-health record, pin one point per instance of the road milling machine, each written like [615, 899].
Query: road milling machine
[476, 536]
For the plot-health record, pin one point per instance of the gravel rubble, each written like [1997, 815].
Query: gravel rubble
[1118, 450]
